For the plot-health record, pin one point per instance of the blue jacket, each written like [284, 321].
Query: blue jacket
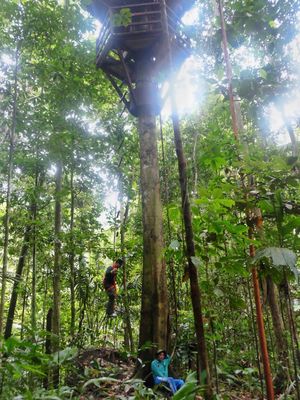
[160, 368]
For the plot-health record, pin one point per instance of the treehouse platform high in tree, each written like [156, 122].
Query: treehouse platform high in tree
[131, 50]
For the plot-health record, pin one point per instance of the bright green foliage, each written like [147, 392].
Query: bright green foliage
[122, 18]
[68, 112]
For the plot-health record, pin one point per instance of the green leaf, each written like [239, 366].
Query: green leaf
[175, 214]
[218, 292]
[227, 202]
[263, 74]
[174, 245]
[196, 261]
[97, 381]
[188, 390]
[64, 355]
[279, 256]
[34, 369]
[123, 18]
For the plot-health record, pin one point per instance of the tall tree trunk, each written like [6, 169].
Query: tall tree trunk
[282, 376]
[25, 297]
[260, 326]
[29, 237]
[171, 269]
[190, 248]
[8, 192]
[83, 296]
[48, 343]
[72, 256]
[254, 337]
[204, 371]
[278, 210]
[57, 269]
[33, 278]
[17, 280]
[154, 309]
[128, 329]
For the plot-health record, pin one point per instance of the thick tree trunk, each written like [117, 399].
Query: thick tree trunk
[282, 377]
[8, 192]
[57, 270]
[154, 309]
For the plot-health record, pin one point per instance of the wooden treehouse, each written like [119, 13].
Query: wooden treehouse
[132, 46]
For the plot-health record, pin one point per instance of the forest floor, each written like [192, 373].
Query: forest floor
[105, 371]
[108, 374]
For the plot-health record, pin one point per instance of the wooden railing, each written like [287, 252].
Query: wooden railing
[146, 18]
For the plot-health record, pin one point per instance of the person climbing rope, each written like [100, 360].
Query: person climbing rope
[110, 286]
[159, 368]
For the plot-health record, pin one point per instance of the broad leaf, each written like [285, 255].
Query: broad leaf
[280, 257]
[196, 261]
[97, 381]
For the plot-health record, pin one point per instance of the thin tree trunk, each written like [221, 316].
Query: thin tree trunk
[57, 269]
[83, 309]
[48, 343]
[128, 329]
[282, 376]
[8, 192]
[17, 280]
[25, 296]
[33, 279]
[174, 309]
[261, 328]
[254, 336]
[204, 371]
[72, 256]
[211, 324]
[28, 238]
[293, 334]
[194, 164]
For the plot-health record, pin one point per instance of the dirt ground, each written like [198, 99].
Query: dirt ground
[105, 373]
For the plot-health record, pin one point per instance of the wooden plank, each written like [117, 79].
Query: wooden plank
[137, 32]
[126, 28]
[141, 14]
[124, 5]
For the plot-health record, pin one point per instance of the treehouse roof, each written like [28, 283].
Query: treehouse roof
[99, 8]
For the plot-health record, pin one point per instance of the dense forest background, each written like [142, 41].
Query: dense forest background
[70, 202]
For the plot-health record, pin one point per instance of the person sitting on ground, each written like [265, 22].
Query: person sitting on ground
[159, 368]
[110, 286]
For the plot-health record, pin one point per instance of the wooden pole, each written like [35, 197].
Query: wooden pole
[261, 330]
